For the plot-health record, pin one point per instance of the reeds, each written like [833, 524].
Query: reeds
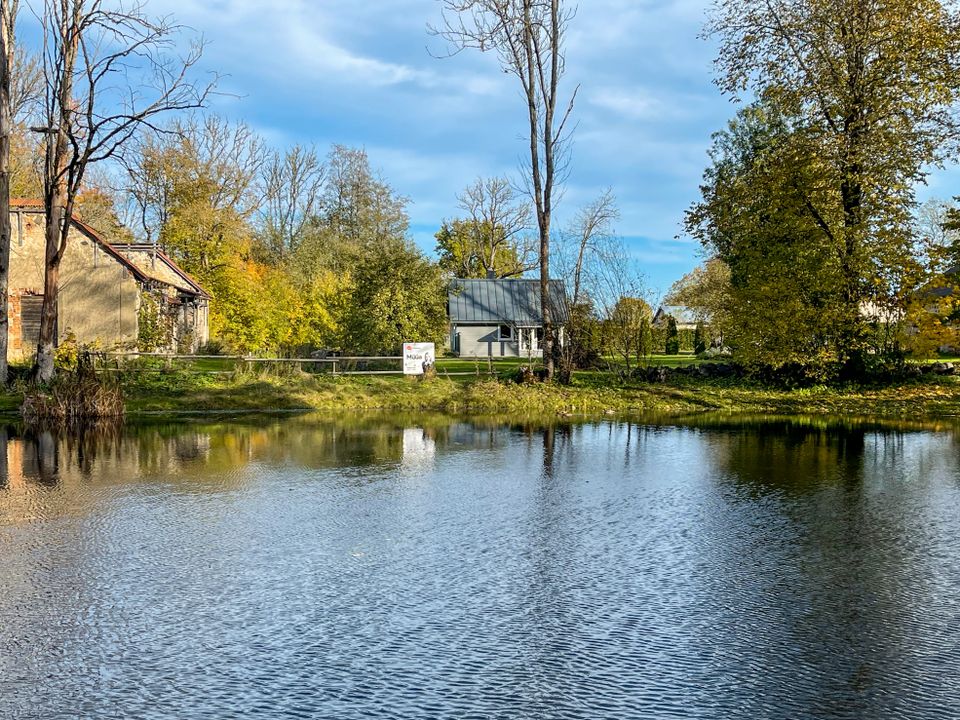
[75, 396]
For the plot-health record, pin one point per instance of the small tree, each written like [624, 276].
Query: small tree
[672, 346]
[699, 339]
[628, 331]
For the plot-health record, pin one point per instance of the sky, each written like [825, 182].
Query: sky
[366, 73]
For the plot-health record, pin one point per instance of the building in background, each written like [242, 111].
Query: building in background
[110, 295]
[501, 317]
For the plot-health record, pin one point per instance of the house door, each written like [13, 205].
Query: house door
[30, 307]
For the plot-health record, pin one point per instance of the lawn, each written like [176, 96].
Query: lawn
[215, 385]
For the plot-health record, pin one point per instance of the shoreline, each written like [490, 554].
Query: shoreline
[932, 398]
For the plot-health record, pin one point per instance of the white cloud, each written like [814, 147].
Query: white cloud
[636, 104]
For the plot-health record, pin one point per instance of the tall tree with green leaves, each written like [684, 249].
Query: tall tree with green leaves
[872, 87]
[397, 295]
[776, 281]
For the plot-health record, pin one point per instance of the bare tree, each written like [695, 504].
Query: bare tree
[592, 225]
[581, 251]
[8, 54]
[109, 70]
[624, 303]
[292, 186]
[357, 203]
[528, 38]
[197, 160]
[498, 226]
[26, 81]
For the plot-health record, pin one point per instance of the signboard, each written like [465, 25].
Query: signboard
[417, 357]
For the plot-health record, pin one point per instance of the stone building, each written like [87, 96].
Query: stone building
[109, 294]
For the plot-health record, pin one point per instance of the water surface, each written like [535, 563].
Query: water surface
[437, 568]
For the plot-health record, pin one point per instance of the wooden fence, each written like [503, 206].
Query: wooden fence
[339, 365]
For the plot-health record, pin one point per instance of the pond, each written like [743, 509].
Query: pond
[432, 567]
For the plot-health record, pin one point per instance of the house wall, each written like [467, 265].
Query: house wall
[481, 341]
[99, 298]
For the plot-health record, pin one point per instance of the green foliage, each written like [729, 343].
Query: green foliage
[672, 344]
[67, 355]
[628, 331]
[783, 301]
[583, 337]
[810, 194]
[324, 263]
[706, 292]
[396, 295]
[154, 329]
[699, 339]
[493, 239]
[459, 245]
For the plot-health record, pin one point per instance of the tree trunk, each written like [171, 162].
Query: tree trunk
[850, 348]
[58, 204]
[5, 229]
[7, 17]
[49, 314]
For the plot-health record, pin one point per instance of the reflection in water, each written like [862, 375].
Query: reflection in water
[431, 567]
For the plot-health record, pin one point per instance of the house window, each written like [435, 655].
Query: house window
[529, 340]
[506, 332]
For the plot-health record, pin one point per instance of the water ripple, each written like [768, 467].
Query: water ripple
[307, 570]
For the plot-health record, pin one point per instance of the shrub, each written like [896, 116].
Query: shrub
[213, 347]
[699, 339]
[672, 346]
[73, 396]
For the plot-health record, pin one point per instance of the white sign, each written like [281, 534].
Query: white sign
[417, 357]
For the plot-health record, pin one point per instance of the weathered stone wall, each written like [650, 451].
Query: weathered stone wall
[99, 298]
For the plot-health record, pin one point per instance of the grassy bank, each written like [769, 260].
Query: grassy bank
[591, 394]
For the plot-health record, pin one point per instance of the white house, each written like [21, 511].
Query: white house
[501, 317]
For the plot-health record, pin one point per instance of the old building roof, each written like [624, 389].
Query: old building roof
[510, 301]
[143, 261]
[154, 263]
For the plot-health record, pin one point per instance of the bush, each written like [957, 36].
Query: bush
[213, 347]
[73, 396]
[524, 375]
[672, 345]
[699, 339]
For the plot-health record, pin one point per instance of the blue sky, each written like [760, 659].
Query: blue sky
[360, 72]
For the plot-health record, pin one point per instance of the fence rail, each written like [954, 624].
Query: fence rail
[338, 365]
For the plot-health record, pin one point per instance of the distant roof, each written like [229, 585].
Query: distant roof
[512, 301]
[154, 263]
[135, 257]
[682, 315]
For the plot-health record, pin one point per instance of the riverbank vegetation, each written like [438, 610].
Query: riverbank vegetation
[588, 394]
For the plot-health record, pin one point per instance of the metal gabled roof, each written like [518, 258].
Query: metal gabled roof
[508, 301]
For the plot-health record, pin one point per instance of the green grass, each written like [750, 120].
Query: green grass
[589, 394]
[208, 386]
